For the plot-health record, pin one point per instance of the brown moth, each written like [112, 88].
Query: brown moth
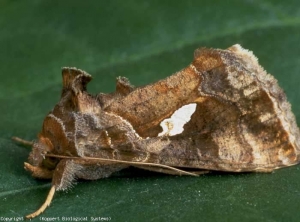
[223, 113]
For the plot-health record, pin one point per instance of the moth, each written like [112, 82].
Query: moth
[223, 112]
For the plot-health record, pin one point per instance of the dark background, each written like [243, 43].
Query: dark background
[144, 41]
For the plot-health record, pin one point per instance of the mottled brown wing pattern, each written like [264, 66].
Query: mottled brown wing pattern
[239, 123]
[223, 112]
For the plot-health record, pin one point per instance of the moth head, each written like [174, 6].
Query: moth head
[39, 150]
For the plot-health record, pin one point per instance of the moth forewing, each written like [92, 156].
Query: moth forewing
[223, 112]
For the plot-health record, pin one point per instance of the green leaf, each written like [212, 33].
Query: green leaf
[144, 41]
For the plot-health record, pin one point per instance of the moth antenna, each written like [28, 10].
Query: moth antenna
[21, 141]
[45, 205]
[127, 162]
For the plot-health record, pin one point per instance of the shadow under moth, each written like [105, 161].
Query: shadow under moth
[221, 113]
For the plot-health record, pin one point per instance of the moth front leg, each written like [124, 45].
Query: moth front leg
[63, 176]
[68, 170]
[45, 204]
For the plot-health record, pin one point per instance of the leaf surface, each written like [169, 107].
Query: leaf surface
[144, 41]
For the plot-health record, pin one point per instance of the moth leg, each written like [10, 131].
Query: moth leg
[45, 205]
[65, 173]
[63, 177]
[21, 141]
[169, 171]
